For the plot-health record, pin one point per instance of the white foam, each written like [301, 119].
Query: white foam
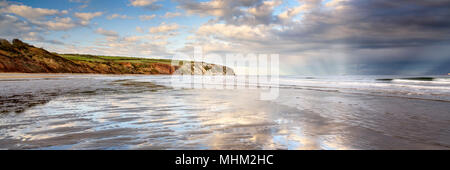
[436, 81]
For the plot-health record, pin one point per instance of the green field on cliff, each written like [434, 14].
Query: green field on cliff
[117, 59]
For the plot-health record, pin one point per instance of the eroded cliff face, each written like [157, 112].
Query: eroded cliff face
[21, 57]
[200, 68]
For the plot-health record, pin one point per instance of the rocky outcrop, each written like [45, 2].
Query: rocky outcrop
[200, 68]
[21, 57]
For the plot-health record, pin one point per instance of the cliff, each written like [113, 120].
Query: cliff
[199, 68]
[21, 57]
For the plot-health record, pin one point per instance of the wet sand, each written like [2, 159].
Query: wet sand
[27, 76]
[85, 112]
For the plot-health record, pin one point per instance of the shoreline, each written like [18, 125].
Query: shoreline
[28, 75]
[16, 75]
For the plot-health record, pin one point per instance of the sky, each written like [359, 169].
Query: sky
[311, 37]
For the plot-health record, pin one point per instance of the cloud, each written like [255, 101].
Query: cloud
[261, 13]
[304, 7]
[114, 16]
[312, 36]
[33, 24]
[107, 33]
[37, 16]
[32, 14]
[142, 2]
[164, 28]
[367, 24]
[234, 12]
[141, 46]
[28, 23]
[58, 24]
[232, 32]
[139, 29]
[148, 4]
[171, 14]
[83, 2]
[87, 17]
[217, 8]
[336, 37]
[13, 27]
[80, 1]
[147, 45]
[3, 3]
[146, 17]
[42, 19]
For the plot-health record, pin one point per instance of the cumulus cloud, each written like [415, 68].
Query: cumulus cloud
[219, 8]
[234, 12]
[114, 16]
[233, 32]
[144, 45]
[142, 2]
[107, 33]
[13, 26]
[58, 24]
[148, 4]
[368, 24]
[333, 37]
[28, 23]
[304, 7]
[86, 17]
[84, 3]
[3, 3]
[32, 14]
[171, 14]
[164, 28]
[146, 17]
[312, 36]
[47, 19]
[141, 46]
[35, 24]
[80, 1]
[139, 29]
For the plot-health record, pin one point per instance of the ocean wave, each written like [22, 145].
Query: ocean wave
[434, 81]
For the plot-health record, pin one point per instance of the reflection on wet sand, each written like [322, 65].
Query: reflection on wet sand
[145, 115]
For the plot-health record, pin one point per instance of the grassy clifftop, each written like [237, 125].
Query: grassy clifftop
[21, 57]
[116, 59]
[124, 65]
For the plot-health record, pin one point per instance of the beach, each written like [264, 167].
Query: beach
[26, 76]
[82, 111]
